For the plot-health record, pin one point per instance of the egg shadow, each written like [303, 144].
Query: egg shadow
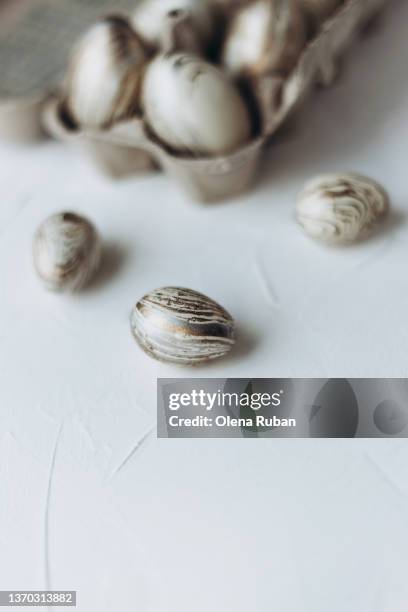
[246, 342]
[113, 259]
[395, 219]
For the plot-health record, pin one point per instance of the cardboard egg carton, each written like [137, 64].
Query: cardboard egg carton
[129, 148]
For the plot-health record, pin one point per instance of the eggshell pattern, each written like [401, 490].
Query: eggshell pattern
[104, 75]
[66, 251]
[182, 326]
[264, 37]
[202, 112]
[340, 208]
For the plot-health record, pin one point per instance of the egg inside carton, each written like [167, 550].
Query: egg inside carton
[270, 94]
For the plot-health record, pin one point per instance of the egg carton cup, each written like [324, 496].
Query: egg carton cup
[21, 119]
[116, 155]
[128, 147]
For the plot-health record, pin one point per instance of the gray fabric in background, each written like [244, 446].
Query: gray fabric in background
[33, 54]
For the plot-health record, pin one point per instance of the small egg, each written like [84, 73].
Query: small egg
[193, 107]
[340, 208]
[264, 36]
[103, 80]
[66, 251]
[150, 18]
[182, 326]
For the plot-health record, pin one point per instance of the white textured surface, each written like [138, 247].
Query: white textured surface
[170, 526]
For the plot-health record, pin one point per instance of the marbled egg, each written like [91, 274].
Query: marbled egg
[104, 75]
[340, 208]
[150, 17]
[202, 111]
[182, 326]
[66, 251]
[264, 36]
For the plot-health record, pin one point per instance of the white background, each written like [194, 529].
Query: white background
[170, 526]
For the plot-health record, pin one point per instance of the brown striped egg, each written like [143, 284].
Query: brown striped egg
[67, 251]
[340, 208]
[264, 36]
[182, 326]
[104, 76]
